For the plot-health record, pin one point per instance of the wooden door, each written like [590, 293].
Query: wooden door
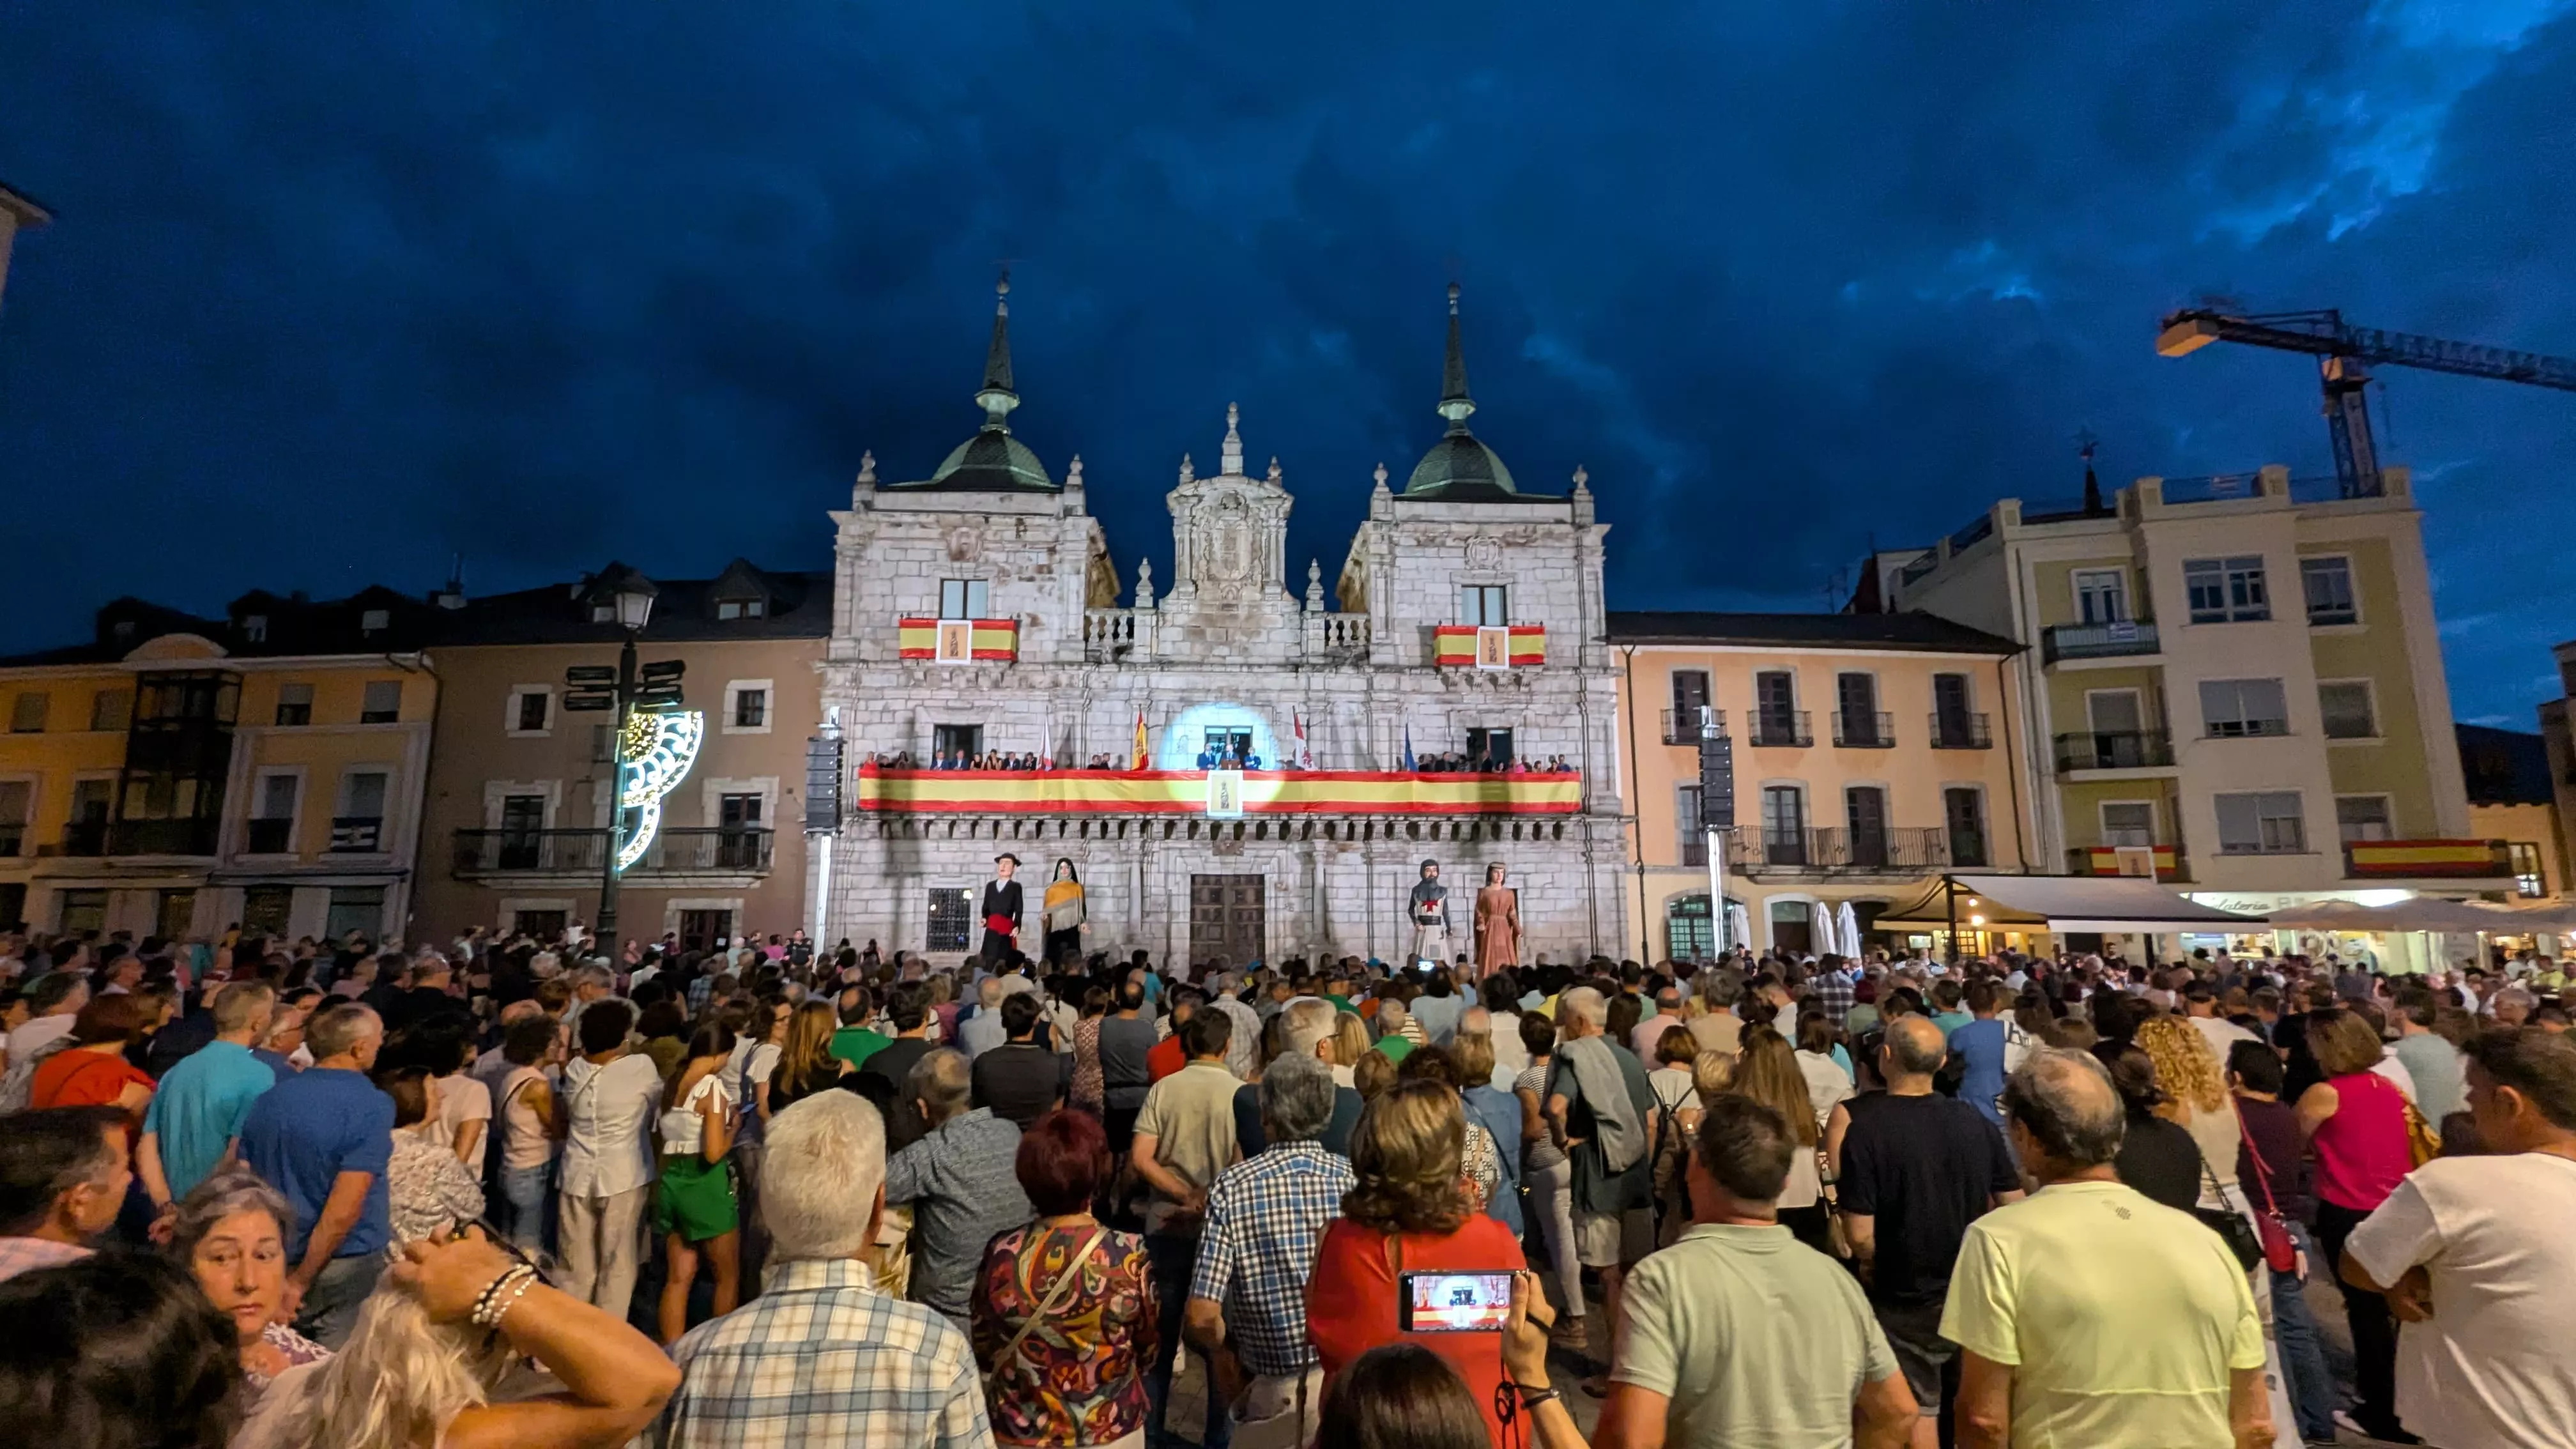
[1228, 919]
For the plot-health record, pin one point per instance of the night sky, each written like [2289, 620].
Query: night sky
[339, 290]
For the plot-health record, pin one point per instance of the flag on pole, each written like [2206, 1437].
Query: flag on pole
[1138, 763]
[1408, 749]
[1305, 757]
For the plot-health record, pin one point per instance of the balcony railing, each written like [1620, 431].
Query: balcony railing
[357, 834]
[1751, 850]
[1865, 731]
[2114, 750]
[1681, 727]
[722, 848]
[269, 837]
[2098, 641]
[1782, 727]
[1960, 732]
[137, 837]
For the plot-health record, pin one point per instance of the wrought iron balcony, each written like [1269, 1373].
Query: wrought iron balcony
[1751, 850]
[1786, 728]
[137, 837]
[1681, 727]
[720, 849]
[2114, 750]
[2125, 638]
[1874, 730]
[1960, 732]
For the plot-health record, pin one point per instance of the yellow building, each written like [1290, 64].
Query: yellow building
[1870, 752]
[178, 775]
[2236, 678]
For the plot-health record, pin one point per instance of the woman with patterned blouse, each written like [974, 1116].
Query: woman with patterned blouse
[1089, 1092]
[1064, 1308]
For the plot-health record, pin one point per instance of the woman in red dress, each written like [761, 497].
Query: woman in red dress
[1411, 1213]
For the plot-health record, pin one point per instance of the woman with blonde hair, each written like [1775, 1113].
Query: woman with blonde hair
[1767, 1071]
[431, 1347]
[1350, 1047]
[805, 1061]
[1409, 1212]
[2196, 1099]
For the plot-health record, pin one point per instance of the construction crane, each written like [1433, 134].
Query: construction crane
[2344, 355]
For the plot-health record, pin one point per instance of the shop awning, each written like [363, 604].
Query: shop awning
[2426, 913]
[2061, 903]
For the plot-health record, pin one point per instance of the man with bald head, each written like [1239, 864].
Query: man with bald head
[1918, 1167]
[2088, 1313]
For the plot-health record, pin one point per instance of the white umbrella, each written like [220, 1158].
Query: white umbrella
[1821, 916]
[1850, 931]
[1739, 926]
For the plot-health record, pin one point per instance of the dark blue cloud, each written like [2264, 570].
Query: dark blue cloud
[339, 290]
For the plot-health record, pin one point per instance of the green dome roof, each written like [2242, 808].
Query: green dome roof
[1459, 462]
[992, 460]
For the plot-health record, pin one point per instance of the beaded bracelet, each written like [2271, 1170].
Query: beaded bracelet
[488, 1308]
[502, 1309]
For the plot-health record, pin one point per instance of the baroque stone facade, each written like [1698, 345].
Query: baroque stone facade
[1229, 654]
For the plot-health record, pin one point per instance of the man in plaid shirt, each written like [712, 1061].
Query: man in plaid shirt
[821, 1359]
[1833, 990]
[1247, 1305]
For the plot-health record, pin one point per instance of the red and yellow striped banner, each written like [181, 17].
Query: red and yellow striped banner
[1516, 647]
[2454, 858]
[2105, 860]
[1185, 792]
[956, 640]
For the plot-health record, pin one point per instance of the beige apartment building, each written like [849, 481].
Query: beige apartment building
[1871, 752]
[178, 775]
[2234, 681]
[519, 788]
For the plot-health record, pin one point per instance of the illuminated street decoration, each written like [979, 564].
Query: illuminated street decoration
[656, 750]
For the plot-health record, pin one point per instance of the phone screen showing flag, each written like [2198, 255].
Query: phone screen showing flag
[1454, 1302]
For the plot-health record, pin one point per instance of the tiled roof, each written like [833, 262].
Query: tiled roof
[1922, 632]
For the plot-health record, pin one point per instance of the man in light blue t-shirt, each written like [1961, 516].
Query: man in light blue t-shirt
[1978, 1043]
[199, 1107]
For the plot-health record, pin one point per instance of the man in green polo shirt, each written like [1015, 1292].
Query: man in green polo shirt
[1739, 1336]
[854, 1042]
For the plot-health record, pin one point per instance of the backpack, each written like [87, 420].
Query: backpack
[1671, 1168]
[19, 1087]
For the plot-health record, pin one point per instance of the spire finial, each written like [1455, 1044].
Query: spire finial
[996, 397]
[1187, 472]
[1073, 472]
[1381, 476]
[867, 467]
[1582, 478]
[1274, 468]
[1230, 457]
[1455, 405]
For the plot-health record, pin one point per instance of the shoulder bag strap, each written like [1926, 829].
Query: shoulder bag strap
[1064, 1282]
[2262, 1169]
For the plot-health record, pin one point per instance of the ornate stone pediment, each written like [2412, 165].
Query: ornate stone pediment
[1230, 536]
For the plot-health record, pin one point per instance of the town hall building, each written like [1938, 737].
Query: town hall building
[1277, 809]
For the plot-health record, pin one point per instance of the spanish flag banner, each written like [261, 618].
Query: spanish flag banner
[1185, 792]
[1136, 761]
[958, 641]
[2454, 858]
[1470, 646]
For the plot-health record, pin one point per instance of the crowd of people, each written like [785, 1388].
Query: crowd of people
[503, 1192]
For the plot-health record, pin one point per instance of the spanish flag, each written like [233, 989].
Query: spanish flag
[1137, 762]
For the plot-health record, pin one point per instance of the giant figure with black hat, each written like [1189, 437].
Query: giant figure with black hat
[1001, 912]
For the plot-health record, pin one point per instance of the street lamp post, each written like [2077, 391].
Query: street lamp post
[628, 596]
